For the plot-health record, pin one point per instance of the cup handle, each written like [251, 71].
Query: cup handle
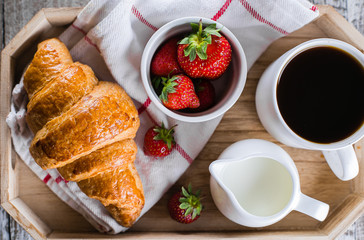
[343, 162]
[312, 207]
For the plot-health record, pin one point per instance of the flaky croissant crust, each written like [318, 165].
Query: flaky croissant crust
[85, 128]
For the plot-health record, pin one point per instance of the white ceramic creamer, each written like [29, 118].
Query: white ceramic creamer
[255, 183]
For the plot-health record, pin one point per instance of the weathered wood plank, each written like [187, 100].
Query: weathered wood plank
[17, 232]
[18, 13]
[2, 24]
[356, 14]
[350, 233]
[339, 5]
[352, 10]
[4, 225]
[359, 230]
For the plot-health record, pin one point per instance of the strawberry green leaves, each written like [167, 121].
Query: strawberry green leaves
[211, 30]
[190, 202]
[184, 206]
[177, 92]
[164, 134]
[199, 40]
[159, 141]
[164, 85]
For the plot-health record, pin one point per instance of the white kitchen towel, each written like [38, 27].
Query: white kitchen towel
[109, 35]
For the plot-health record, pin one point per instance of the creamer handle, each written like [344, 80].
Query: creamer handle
[312, 207]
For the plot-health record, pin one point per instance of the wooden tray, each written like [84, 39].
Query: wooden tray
[43, 215]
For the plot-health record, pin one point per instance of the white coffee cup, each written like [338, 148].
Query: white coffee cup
[339, 155]
[255, 183]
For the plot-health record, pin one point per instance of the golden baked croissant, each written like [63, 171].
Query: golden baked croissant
[118, 189]
[85, 128]
[118, 154]
[56, 97]
[102, 117]
[49, 60]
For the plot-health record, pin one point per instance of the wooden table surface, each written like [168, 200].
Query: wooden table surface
[16, 13]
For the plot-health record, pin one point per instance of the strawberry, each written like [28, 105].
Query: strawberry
[178, 92]
[185, 207]
[204, 53]
[164, 62]
[206, 94]
[159, 141]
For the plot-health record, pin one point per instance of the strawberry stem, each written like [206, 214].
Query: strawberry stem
[169, 87]
[199, 40]
[200, 31]
[190, 202]
[166, 135]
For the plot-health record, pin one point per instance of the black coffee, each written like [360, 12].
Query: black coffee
[321, 94]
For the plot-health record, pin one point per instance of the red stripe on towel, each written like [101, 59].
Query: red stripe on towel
[183, 153]
[222, 10]
[144, 106]
[46, 178]
[93, 44]
[59, 179]
[142, 19]
[87, 39]
[256, 15]
[147, 102]
[79, 29]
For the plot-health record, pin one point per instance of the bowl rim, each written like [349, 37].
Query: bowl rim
[150, 92]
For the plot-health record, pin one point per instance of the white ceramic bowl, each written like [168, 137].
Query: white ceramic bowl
[228, 87]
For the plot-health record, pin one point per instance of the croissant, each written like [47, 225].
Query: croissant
[119, 154]
[49, 60]
[85, 129]
[67, 88]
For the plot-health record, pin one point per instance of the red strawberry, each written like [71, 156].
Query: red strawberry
[185, 207]
[164, 62]
[178, 92]
[204, 53]
[206, 94]
[159, 141]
